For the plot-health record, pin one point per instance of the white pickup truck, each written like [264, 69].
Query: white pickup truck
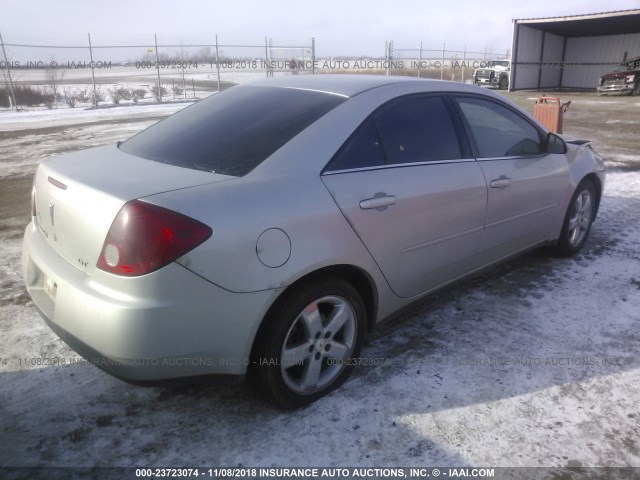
[495, 74]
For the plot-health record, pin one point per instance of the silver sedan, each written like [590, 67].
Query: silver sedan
[264, 231]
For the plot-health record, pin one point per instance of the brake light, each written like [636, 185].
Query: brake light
[144, 237]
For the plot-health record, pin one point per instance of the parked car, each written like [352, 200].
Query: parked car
[266, 230]
[624, 79]
[495, 73]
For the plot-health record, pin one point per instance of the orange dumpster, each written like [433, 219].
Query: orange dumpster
[549, 111]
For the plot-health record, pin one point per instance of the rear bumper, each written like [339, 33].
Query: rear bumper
[128, 371]
[165, 326]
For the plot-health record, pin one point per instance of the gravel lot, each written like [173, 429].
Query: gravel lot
[533, 363]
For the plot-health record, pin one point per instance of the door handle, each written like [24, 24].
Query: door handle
[377, 202]
[500, 182]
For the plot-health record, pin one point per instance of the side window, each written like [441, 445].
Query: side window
[418, 130]
[409, 130]
[498, 131]
[364, 149]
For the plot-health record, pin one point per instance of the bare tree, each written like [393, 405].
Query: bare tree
[183, 65]
[125, 93]
[70, 96]
[138, 94]
[7, 89]
[54, 78]
[97, 96]
[158, 94]
[8, 79]
[116, 96]
[177, 90]
[204, 55]
[82, 95]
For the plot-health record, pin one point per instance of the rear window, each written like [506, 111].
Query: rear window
[232, 132]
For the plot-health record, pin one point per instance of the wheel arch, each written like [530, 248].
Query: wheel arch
[356, 277]
[598, 185]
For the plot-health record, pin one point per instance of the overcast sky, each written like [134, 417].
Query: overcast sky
[341, 27]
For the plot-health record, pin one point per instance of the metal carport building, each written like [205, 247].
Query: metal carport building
[572, 52]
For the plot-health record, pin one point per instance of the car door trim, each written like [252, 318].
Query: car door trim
[516, 217]
[516, 157]
[398, 165]
[441, 239]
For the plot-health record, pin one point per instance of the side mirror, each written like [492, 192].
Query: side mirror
[555, 144]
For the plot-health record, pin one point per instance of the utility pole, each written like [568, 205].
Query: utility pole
[217, 63]
[313, 55]
[6, 64]
[158, 68]
[266, 54]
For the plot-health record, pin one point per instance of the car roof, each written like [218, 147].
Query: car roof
[350, 85]
[347, 85]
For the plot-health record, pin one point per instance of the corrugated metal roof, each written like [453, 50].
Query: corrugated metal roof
[580, 16]
[588, 24]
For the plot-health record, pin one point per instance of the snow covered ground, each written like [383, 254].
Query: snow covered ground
[533, 363]
[49, 132]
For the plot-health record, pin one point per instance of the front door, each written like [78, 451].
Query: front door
[525, 184]
[415, 202]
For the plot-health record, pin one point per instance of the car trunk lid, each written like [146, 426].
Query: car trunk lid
[78, 195]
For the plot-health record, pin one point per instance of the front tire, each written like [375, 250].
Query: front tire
[306, 347]
[578, 220]
[504, 83]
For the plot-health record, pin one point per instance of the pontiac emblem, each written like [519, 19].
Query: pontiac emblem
[51, 207]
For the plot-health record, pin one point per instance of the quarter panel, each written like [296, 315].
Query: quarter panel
[298, 206]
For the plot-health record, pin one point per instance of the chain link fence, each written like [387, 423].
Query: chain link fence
[91, 74]
[442, 63]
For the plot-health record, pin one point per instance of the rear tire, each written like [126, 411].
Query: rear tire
[307, 344]
[636, 89]
[578, 220]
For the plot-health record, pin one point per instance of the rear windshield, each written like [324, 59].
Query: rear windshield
[231, 132]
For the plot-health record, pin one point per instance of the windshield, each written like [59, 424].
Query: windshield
[232, 132]
[498, 64]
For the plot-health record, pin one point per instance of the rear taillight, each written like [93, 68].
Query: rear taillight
[144, 237]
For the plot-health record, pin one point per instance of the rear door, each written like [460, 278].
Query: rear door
[526, 185]
[412, 192]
